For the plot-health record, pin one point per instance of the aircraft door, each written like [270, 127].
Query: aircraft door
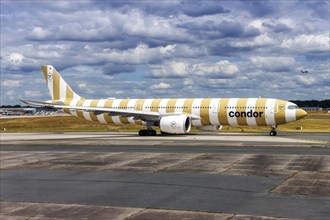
[274, 108]
[138, 106]
[213, 112]
[215, 108]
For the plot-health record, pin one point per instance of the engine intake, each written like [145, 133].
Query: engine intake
[175, 124]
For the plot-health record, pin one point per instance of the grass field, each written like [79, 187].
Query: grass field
[313, 122]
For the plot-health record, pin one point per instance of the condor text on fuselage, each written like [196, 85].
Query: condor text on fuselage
[248, 114]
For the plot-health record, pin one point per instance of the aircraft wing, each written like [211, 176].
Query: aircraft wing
[136, 114]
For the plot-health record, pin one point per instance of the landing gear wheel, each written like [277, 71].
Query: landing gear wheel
[143, 133]
[147, 132]
[273, 133]
[152, 132]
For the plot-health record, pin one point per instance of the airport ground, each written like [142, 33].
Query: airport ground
[317, 121]
[117, 175]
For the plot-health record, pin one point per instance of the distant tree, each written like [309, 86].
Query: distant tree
[313, 103]
[325, 103]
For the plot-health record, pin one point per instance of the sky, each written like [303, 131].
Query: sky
[159, 49]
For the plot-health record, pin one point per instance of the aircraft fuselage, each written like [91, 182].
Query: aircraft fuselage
[212, 111]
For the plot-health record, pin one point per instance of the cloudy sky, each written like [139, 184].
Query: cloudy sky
[167, 48]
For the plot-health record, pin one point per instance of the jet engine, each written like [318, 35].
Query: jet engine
[210, 127]
[175, 124]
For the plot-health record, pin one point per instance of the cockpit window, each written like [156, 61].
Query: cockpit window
[292, 107]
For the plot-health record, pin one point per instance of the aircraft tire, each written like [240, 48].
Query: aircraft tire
[143, 132]
[152, 132]
[273, 133]
[147, 133]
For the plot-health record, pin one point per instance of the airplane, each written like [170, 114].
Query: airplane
[303, 71]
[172, 116]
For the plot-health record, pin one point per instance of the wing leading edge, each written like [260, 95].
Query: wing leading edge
[136, 114]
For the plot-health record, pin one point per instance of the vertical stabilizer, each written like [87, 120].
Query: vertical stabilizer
[58, 88]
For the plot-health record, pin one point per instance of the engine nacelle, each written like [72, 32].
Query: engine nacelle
[210, 127]
[175, 124]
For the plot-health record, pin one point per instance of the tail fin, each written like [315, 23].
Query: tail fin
[58, 88]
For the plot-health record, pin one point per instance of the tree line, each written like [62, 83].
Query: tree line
[312, 103]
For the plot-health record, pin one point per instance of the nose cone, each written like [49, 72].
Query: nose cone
[300, 114]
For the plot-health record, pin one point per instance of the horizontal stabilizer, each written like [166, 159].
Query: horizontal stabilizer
[41, 104]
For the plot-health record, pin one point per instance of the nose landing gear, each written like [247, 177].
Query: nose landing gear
[273, 131]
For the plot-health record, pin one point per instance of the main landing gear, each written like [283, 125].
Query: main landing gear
[273, 131]
[147, 132]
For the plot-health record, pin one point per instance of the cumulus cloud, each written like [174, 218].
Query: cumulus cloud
[277, 27]
[119, 92]
[306, 80]
[139, 55]
[82, 85]
[15, 58]
[96, 27]
[161, 86]
[273, 64]
[169, 69]
[38, 33]
[308, 44]
[260, 41]
[18, 62]
[11, 83]
[225, 47]
[32, 94]
[188, 82]
[180, 69]
[212, 29]
[221, 69]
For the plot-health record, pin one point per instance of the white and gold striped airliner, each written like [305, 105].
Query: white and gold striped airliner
[172, 116]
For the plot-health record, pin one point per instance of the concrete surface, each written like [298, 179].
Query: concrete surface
[112, 175]
[203, 192]
[132, 136]
[115, 147]
[51, 211]
[212, 163]
[306, 183]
